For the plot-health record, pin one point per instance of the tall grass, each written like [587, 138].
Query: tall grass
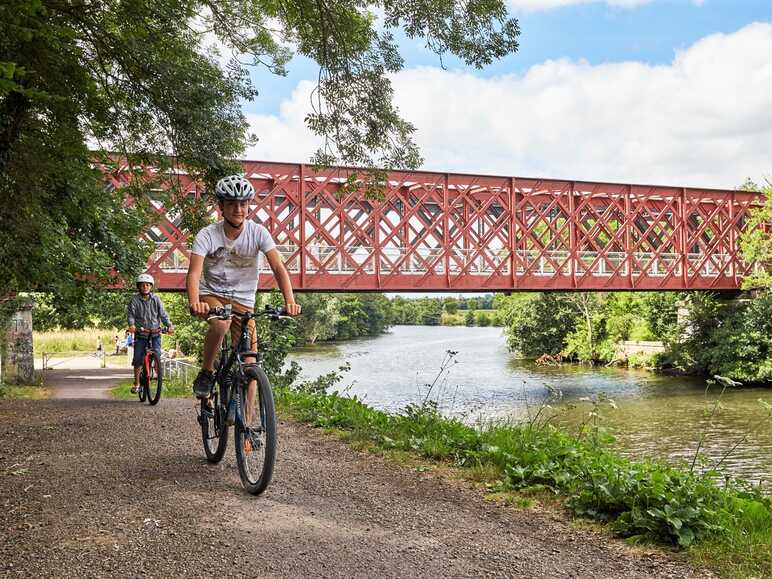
[74, 340]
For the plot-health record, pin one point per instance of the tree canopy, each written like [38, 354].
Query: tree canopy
[756, 242]
[161, 81]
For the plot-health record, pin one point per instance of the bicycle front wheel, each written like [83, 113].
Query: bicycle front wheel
[256, 436]
[214, 431]
[142, 390]
[154, 379]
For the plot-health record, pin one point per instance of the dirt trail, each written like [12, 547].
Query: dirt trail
[104, 488]
[85, 383]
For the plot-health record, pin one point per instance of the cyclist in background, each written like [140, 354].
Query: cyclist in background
[224, 270]
[146, 312]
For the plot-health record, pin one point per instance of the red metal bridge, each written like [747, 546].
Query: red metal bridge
[457, 232]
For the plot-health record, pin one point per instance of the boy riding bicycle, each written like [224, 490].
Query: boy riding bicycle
[223, 270]
[146, 313]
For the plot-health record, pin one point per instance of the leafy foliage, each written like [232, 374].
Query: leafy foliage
[537, 324]
[756, 242]
[160, 83]
[729, 339]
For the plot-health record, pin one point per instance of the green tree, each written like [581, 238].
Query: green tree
[660, 310]
[586, 340]
[82, 306]
[741, 346]
[189, 331]
[378, 313]
[404, 311]
[450, 305]
[138, 79]
[469, 319]
[482, 319]
[730, 338]
[756, 242]
[537, 323]
[319, 319]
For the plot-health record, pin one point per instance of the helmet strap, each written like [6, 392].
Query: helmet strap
[229, 222]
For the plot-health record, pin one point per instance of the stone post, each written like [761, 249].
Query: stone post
[18, 362]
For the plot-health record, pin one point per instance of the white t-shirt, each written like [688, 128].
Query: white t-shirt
[230, 266]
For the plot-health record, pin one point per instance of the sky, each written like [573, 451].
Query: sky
[664, 92]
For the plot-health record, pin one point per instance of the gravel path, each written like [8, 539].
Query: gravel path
[98, 488]
[85, 383]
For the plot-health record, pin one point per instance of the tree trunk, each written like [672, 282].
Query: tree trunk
[13, 109]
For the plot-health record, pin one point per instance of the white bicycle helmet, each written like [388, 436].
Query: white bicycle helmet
[145, 278]
[234, 187]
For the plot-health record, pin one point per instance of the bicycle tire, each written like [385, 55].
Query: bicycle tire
[142, 390]
[155, 380]
[264, 442]
[214, 431]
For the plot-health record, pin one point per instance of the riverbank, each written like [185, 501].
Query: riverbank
[655, 416]
[728, 528]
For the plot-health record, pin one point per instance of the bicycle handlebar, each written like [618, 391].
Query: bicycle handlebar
[226, 313]
[148, 331]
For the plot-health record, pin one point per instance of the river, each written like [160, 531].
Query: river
[655, 416]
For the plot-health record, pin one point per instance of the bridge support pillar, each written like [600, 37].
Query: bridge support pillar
[18, 364]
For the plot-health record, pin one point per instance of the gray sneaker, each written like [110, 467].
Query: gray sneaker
[202, 385]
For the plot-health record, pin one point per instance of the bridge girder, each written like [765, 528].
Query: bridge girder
[456, 232]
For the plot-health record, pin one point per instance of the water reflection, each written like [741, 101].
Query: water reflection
[656, 416]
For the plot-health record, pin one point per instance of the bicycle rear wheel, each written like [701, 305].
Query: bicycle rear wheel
[214, 431]
[256, 436]
[155, 379]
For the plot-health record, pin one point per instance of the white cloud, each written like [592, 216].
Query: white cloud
[703, 120]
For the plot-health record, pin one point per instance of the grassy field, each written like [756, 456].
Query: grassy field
[74, 340]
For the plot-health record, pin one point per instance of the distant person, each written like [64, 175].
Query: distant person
[128, 344]
[146, 313]
[117, 344]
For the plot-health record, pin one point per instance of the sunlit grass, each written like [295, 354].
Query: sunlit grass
[746, 551]
[13, 392]
[171, 388]
[74, 340]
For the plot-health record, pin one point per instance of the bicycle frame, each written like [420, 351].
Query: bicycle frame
[236, 355]
[148, 350]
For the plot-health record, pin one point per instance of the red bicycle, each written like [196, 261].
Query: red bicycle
[151, 375]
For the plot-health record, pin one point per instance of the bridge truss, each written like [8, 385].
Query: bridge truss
[455, 232]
